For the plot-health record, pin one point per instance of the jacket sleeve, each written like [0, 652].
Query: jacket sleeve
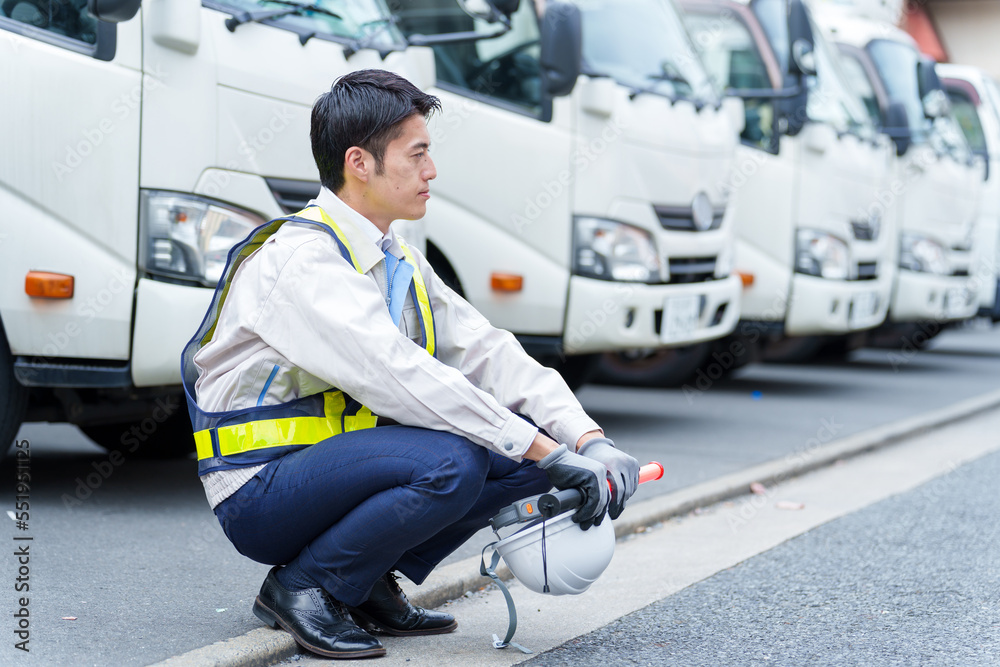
[494, 361]
[331, 321]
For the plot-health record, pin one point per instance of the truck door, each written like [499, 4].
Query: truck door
[69, 176]
[504, 166]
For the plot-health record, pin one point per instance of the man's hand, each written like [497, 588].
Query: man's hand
[623, 471]
[567, 470]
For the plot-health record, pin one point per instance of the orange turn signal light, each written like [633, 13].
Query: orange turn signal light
[45, 285]
[746, 278]
[506, 282]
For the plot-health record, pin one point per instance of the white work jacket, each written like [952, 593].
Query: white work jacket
[298, 305]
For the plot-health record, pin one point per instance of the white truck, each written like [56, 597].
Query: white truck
[583, 156]
[936, 183]
[975, 103]
[136, 152]
[811, 246]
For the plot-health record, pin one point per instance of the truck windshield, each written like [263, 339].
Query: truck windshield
[947, 137]
[968, 119]
[897, 67]
[368, 21]
[642, 44]
[833, 99]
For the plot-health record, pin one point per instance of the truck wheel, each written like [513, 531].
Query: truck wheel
[146, 438]
[13, 397]
[670, 367]
[793, 350]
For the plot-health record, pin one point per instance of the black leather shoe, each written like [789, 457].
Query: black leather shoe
[389, 611]
[316, 621]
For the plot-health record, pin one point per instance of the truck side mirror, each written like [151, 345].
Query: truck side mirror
[561, 57]
[489, 10]
[113, 11]
[897, 126]
[505, 7]
[802, 59]
[932, 94]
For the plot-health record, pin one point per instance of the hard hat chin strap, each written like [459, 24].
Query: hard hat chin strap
[490, 571]
[545, 563]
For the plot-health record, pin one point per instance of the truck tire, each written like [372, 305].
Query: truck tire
[669, 367]
[13, 397]
[148, 438]
[793, 350]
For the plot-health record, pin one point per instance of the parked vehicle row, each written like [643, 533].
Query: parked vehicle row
[658, 185]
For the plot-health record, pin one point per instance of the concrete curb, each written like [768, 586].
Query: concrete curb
[264, 646]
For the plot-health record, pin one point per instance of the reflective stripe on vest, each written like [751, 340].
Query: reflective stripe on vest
[259, 434]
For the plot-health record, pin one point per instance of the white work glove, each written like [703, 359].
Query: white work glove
[567, 470]
[623, 471]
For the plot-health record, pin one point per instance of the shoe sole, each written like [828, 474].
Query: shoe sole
[271, 619]
[358, 614]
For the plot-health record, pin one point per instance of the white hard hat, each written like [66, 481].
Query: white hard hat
[557, 557]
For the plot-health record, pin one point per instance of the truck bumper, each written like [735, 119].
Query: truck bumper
[166, 316]
[821, 306]
[925, 296]
[604, 316]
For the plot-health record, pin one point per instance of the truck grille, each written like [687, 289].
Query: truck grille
[692, 269]
[867, 270]
[681, 218]
[292, 196]
[864, 230]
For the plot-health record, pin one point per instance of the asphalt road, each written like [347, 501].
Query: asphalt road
[913, 580]
[133, 555]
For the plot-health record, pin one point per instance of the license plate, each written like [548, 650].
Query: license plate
[863, 309]
[680, 318]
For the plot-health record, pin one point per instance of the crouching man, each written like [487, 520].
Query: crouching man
[354, 417]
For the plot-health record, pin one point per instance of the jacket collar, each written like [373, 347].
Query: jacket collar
[364, 237]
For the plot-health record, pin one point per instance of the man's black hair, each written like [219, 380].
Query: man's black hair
[364, 109]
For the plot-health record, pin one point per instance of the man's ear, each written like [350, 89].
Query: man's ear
[357, 163]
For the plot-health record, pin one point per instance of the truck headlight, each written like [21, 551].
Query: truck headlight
[188, 237]
[612, 250]
[818, 253]
[919, 253]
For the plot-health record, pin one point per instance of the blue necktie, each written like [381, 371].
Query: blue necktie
[398, 274]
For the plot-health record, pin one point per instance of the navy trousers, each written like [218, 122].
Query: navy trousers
[357, 505]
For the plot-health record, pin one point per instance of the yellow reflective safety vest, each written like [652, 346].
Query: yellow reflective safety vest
[256, 435]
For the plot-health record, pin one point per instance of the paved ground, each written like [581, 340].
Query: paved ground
[913, 580]
[141, 563]
[799, 574]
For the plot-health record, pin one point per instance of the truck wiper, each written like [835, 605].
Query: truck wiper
[239, 18]
[367, 40]
[635, 91]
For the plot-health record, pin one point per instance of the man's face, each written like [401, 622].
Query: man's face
[402, 190]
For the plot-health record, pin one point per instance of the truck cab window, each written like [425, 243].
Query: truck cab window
[832, 100]
[505, 68]
[67, 18]
[967, 116]
[858, 80]
[733, 61]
